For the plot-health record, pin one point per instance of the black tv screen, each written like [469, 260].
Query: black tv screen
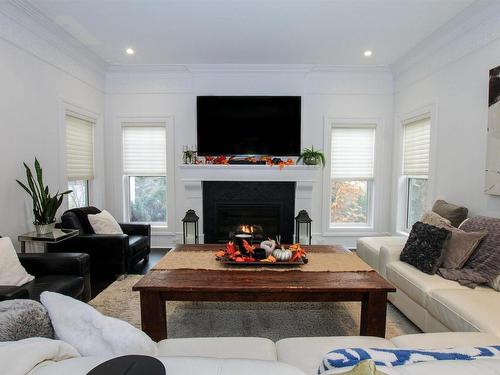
[248, 125]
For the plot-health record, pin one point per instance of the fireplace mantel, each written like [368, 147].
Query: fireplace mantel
[235, 172]
[192, 176]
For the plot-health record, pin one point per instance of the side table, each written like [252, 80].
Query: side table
[57, 235]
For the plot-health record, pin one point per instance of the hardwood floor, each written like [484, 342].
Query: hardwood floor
[140, 269]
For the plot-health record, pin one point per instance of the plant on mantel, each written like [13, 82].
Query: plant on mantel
[310, 156]
[45, 205]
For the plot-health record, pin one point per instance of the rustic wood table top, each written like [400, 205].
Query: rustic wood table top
[262, 280]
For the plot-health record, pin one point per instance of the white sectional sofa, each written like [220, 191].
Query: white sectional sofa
[433, 303]
[292, 356]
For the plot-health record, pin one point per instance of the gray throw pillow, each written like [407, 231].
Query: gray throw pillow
[483, 267]
[495, 284]
[461, 245]
[22, 319]
[452, 212]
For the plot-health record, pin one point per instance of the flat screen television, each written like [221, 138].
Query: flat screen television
[248, 125]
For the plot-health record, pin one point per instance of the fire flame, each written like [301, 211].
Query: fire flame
[246, 229]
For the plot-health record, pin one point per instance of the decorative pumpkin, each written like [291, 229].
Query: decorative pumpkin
[282, 255]
[269, 246]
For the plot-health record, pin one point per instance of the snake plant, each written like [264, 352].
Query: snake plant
[45, 205]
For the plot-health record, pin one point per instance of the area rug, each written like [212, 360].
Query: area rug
[275, 320]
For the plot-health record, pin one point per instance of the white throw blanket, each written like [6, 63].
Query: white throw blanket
[20, 357]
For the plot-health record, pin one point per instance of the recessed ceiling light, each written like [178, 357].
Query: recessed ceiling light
[368, 53]
[129, 51]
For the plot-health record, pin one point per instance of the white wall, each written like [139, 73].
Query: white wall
[33, 90]
[172, 91]
[454, 80]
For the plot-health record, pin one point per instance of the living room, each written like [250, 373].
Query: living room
[397, 98]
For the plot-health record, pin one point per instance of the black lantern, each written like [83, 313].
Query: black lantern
[303, 233]
[190, 227]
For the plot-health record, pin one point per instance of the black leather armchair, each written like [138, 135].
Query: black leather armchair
[113, 254]
[65, 273]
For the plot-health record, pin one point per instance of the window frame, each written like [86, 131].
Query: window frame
[407, 227]
[123, 191]
[402, 182]
[87, 190]
[369, 211]
[73, 111]
[128, 210]
[374, 210]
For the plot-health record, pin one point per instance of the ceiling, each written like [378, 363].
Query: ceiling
[333, 32]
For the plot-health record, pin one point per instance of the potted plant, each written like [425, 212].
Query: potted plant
[45, 206]
[310, 156]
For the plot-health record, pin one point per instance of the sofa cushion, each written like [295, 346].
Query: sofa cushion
[104, 223]
[455, 214]
[445, 340]
[137, 243]
[466, 309]
[306, 353]
[368, 248]
[68, 285]
[219, 347]
[424, 248]
[92, 333]
[484, 265]
[417, 284]
[179, 366]
[11, 270]
[23, 318]
[76, 218]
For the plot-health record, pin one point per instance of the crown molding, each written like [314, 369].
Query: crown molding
[246, 69]
[475, 27]
[26, 27]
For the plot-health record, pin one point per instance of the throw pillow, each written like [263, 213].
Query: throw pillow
[23, 318]
[433, 218]
[104, 223]
[495, 284]
[92, 333]
[461, 247]
[484, 264]
[455, 214]
[424, 248]
[11, 271]
[461, 244]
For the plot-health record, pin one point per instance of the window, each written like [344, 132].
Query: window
[145, 172]
[79, 159]
[416, 147]
[352, 169]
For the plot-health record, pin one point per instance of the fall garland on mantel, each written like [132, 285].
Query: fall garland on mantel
[224, 160]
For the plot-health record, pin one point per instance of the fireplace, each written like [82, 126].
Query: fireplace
[265, 209]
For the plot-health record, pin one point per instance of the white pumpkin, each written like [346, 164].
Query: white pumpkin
[282, 255]
[269, 246]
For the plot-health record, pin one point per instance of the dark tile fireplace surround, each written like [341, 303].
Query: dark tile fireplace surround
[269, 206]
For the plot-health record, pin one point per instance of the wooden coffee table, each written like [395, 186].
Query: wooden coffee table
[160, 286]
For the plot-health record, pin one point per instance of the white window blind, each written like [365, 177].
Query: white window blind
[352, 152]
[416, 147]
[144, 150]
[79, 148]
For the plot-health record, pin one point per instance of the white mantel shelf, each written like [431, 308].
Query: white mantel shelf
[239, 172]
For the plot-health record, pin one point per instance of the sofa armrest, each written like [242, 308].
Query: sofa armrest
[98, 245]
[13, 292]
[136, 229]
[388, 254]
[56, 264]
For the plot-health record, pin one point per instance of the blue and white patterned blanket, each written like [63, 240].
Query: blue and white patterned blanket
[340, 358]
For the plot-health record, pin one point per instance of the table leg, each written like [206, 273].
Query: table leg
[23, 247]
[153, 315]
[373, 314]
